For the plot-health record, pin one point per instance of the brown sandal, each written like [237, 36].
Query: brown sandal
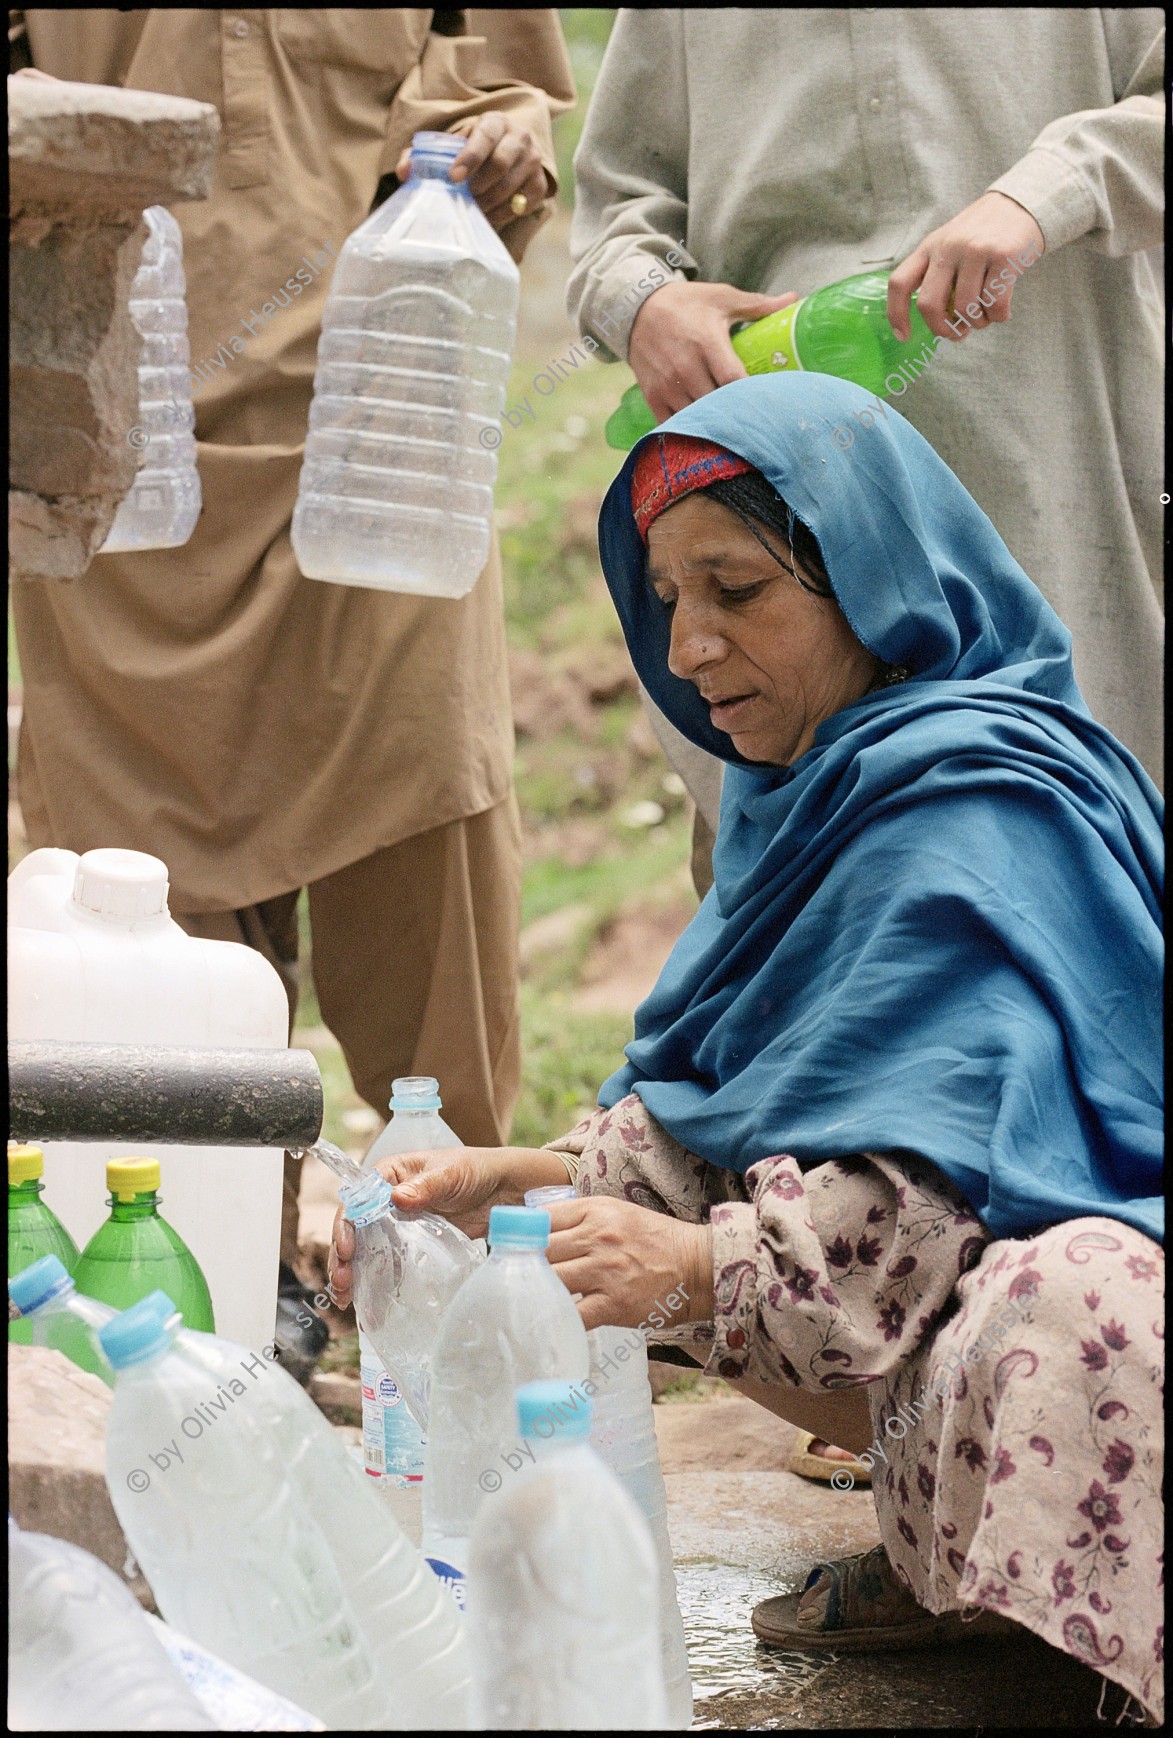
[858, 1605]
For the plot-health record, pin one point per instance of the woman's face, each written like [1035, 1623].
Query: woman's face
[772, 660]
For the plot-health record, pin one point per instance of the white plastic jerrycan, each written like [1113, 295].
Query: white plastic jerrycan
[94, 957]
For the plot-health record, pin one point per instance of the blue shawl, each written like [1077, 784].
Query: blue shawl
[939, 930]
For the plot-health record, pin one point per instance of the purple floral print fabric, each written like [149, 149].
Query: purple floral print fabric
[1015, 1386]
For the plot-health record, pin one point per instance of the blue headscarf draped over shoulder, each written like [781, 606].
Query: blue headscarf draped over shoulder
[939, 930]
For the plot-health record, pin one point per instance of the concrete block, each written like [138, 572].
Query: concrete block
[57, 1458]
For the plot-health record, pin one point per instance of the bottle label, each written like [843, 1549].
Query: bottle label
[770, 346]
[452, 1579]
[393, 1444]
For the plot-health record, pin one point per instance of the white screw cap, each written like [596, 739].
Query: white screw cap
[122, 885]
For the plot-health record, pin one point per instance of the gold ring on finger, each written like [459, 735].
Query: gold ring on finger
[519, 205]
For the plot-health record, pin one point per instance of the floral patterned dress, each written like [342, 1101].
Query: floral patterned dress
[1015, 1386]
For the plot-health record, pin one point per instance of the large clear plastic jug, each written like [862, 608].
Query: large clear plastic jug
[164, 503]
[396, 490]
[95, 957]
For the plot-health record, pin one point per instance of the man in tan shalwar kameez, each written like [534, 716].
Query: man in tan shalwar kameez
[262, 732]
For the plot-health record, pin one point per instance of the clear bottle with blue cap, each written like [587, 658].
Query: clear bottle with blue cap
[512, 1321]
[61, 1317]
[394, 1388]
[260, 1458]
[623, 1435]
[563, 1599]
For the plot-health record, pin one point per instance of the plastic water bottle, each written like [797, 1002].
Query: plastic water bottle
[265, 1544]
[623, 1434]
[34, 1229]
[163, 505]
[841, 330]
[396, 491]
[81, 1655]
[393, 1437]
[563, 1606]
[513, 1321]
[61, 1317]
[407, 1270]
[136, 1252]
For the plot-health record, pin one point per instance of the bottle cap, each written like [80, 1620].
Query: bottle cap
[134, 1335]
[124, 886]
[553, 1409]
[518, 1228]
[126, 1178]
[367, 1200]
[167, 1312]
[24, 1163]
[448, 145]
[415, 1092]
[552, 1192]
[36, 1284]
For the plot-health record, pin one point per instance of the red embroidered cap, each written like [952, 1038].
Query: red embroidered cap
[672, 466]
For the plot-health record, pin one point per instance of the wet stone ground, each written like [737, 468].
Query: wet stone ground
[743, 1528]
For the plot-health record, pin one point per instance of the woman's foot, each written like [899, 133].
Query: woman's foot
[813, 1458]
[859, 1605]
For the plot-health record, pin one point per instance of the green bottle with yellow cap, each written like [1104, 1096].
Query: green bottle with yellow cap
[136, 1252]
[33, 1228]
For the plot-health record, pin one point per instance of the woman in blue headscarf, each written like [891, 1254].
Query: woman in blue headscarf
[898, 1086]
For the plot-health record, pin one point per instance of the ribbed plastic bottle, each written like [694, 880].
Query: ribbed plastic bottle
[234, 1556]
[841, 330]
[34, 1229]
[563, 1606]
[163, 505]
[623, 1435]
[59, 1316]
[513, 1321]
[396, 490]
[136, 1252]
[81, 1655]
[410, 1632]
[394, 1390]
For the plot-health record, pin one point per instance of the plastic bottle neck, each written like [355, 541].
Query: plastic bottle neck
[515, 1251]
[432, 157]
[144, 1206]
[26, 1191]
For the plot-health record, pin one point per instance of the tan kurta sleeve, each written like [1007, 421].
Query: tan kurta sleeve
[516, 64]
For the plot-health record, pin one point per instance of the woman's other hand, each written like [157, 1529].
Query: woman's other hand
[499, 160]
[981, 249]
[626, 1261]
[679, 347]
[459, 1183]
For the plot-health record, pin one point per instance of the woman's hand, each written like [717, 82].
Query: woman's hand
[956, 262]
[626, 1261]
[459, 1183]
[501, 159]
[679, 347]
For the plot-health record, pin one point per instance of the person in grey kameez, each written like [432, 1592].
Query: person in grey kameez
[779, 151]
